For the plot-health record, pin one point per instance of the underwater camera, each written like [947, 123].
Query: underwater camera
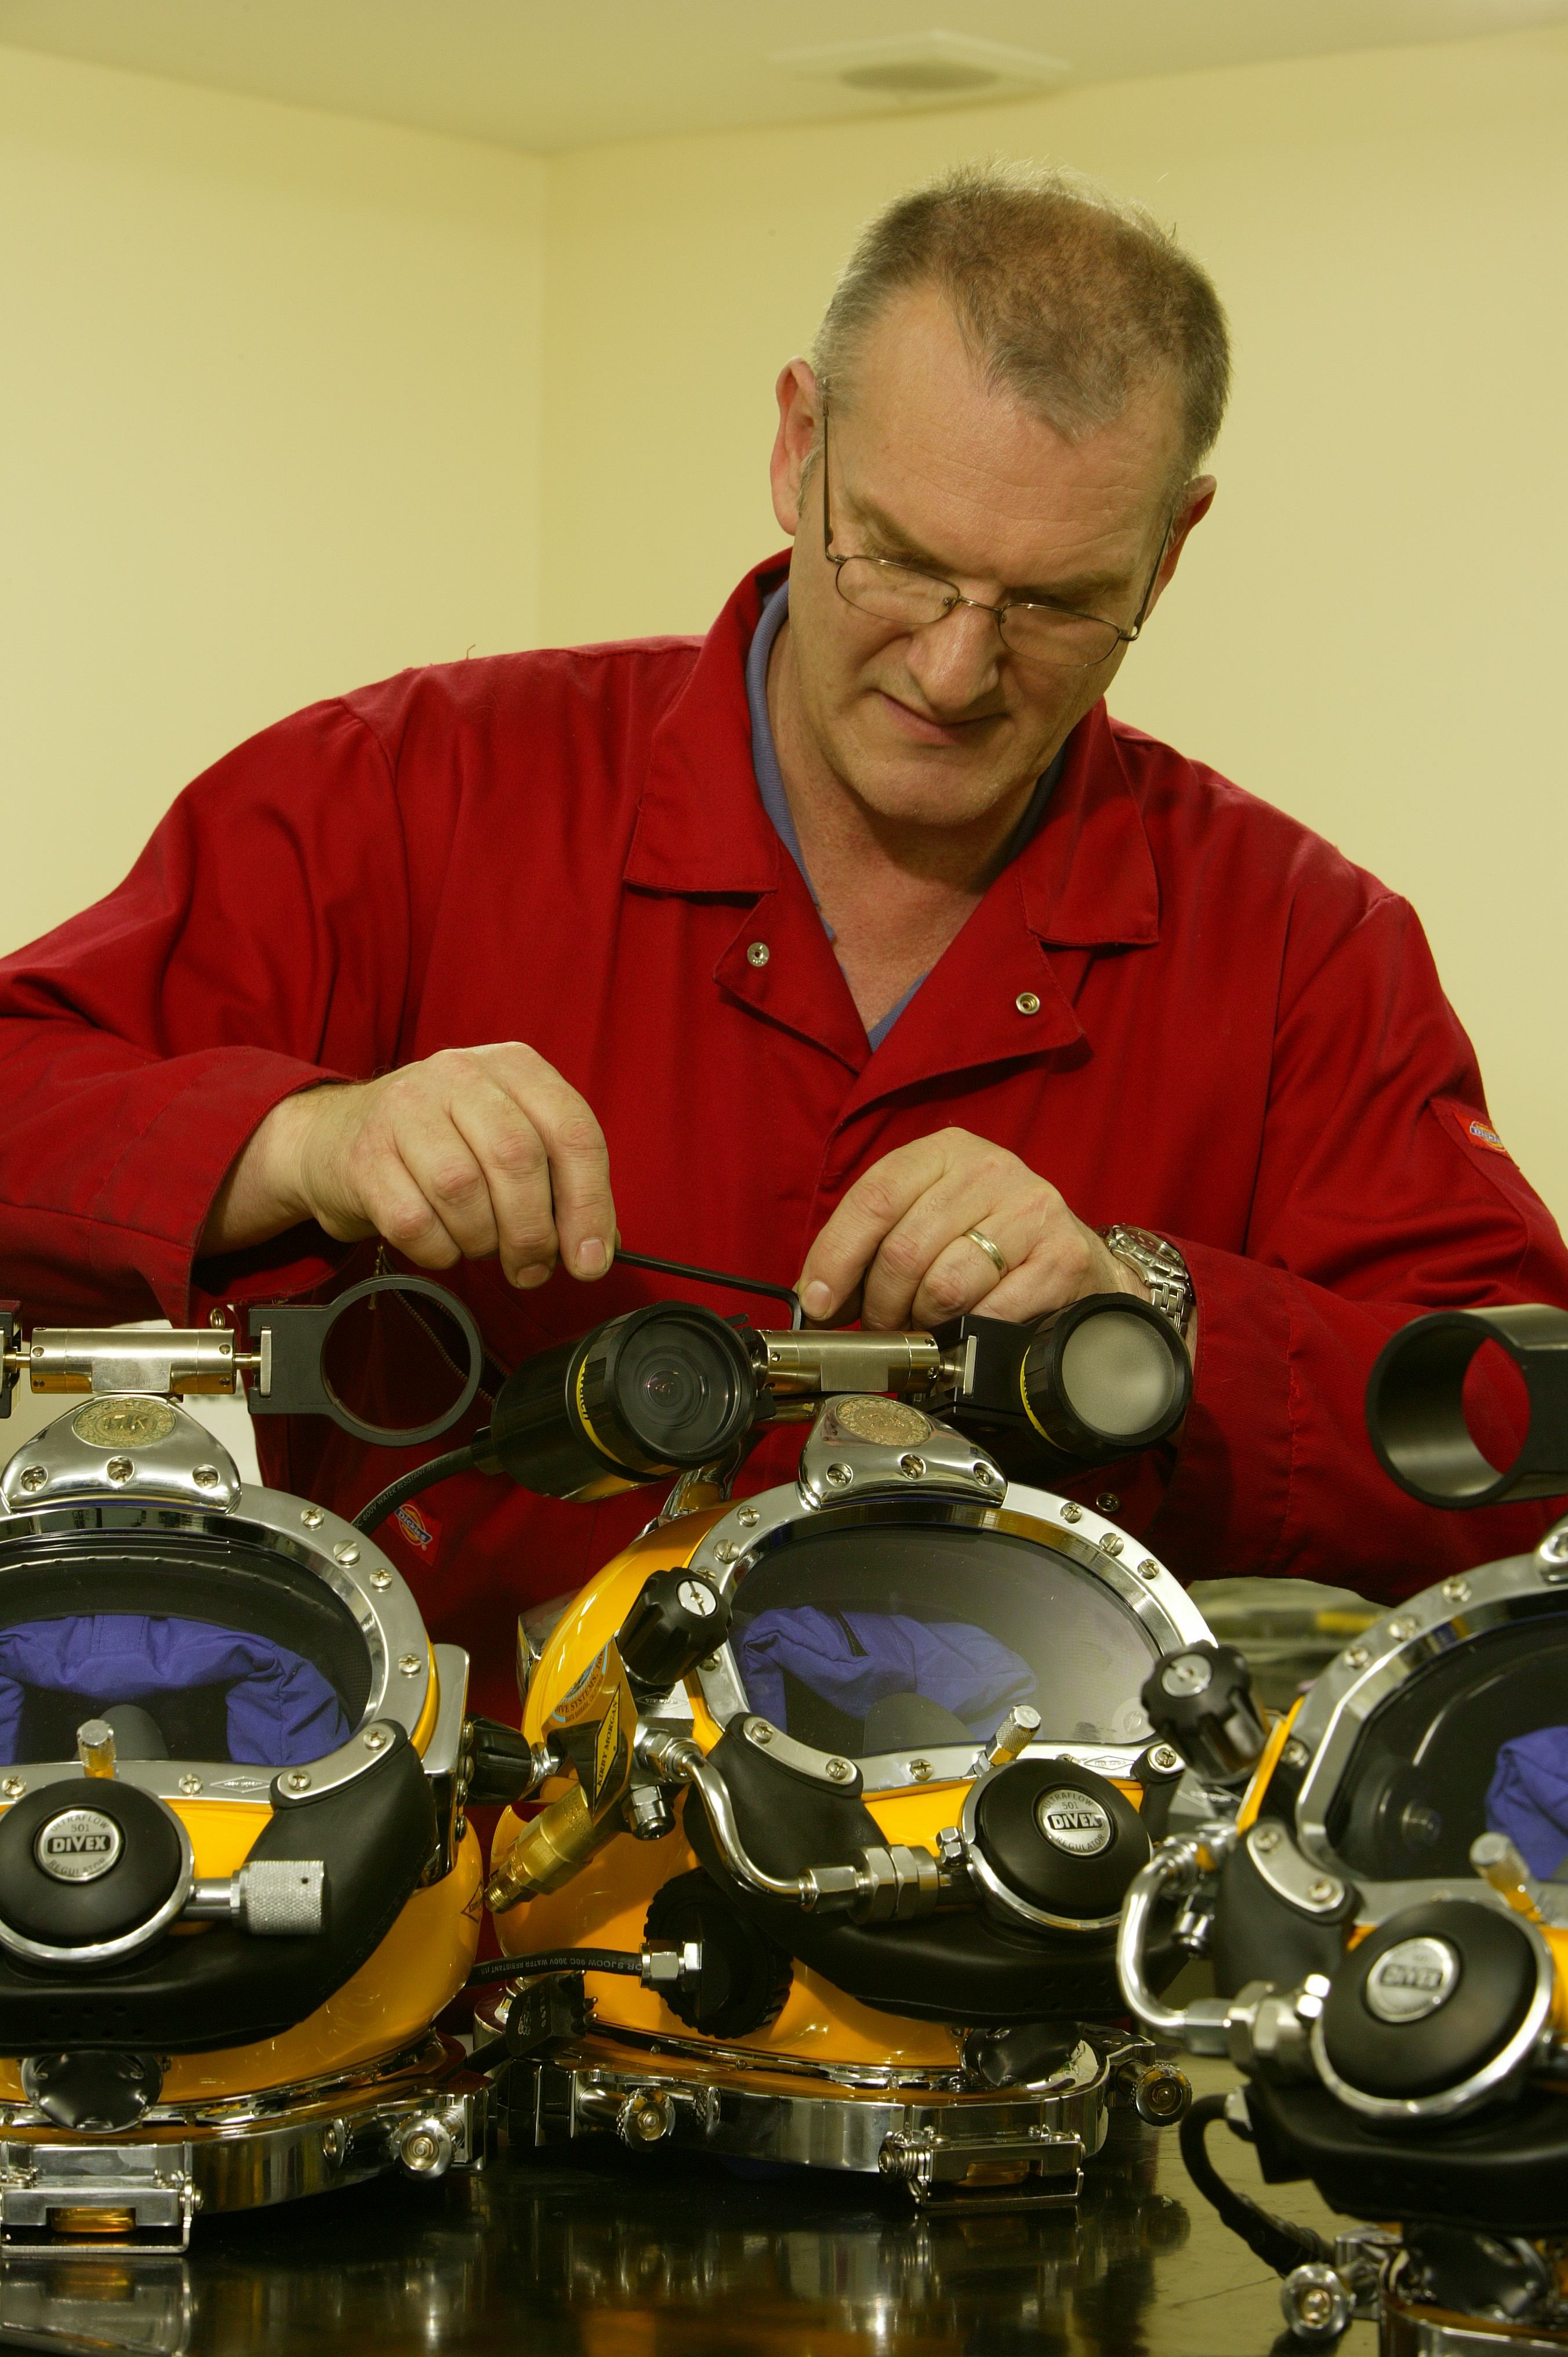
[835, 1791]
[1388, 1912]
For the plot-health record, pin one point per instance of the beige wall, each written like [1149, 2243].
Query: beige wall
[269, 426]
[277, 405]
[1368, 628]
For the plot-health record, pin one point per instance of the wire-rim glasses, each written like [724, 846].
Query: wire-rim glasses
[1030, 629]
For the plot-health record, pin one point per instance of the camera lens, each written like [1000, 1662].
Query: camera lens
[670, 1386]
[666, 1390]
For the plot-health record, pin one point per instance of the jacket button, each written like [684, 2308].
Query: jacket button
[758, 955]
[1026, 1003]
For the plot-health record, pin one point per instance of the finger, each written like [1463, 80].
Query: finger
[447, 1174]
[585, 1214]
[512, 1156]
[849, 1241]
[405, 1216]
[919, 1274]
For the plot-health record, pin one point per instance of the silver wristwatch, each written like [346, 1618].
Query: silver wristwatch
[1159, 1265]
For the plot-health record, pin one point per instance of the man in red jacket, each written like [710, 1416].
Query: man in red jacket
[854, 944]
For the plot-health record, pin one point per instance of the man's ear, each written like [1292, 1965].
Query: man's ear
[799, 420]
[1193, 506]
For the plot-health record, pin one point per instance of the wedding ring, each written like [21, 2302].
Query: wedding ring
[989, 1249]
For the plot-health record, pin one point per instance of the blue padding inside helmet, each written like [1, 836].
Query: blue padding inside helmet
[280, 1707]
[853, 1660]
[1528, 1798]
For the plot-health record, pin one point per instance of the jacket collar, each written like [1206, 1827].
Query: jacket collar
[1087, 881]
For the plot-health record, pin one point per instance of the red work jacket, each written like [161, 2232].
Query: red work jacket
[1239, 1041]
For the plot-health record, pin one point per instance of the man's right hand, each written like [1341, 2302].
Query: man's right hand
[475, 1151]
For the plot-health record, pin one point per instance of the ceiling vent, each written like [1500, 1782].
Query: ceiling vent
[927, 68]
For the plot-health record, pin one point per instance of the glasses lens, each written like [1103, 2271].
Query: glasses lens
[1041, 634]
[894, 593]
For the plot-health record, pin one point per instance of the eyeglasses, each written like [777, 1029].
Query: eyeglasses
[1029, 629]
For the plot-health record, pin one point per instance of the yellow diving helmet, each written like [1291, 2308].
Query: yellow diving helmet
[837, 1789]
[235, 1885]
[1388, 1912]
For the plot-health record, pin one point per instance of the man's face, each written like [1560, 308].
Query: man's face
[927, 464]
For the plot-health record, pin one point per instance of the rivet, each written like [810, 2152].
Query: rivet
[189, 1784]
[207, 1477]
[840, 1476]
[758, 1730]
[725, 1551]
[33, 1477]
[225, 1350]
[1108, 1502]
[119, 1469]
[1267, 1840]
[757, 954]
[1165, 1759]
[1400, 1630]
[296, 1780]
[1323, 1892]
[1115, 1544]
[13, 1787]
[375, 1738]
[312, 1517]
[839, 1770]
[1357, 1658]
[748, 1517]
[1294, 1754]
[380, 1579]
[346, 1552]
[1026, 1003]
[1456, 1592]
[1071, 1513]
[409, 1664]
[913, 1466]
[984, 1475]
[919, 1769]
[1149, 1568]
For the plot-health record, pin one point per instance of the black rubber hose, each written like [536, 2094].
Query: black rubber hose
[1274, 2239]
[408, 1485]
[555, 1960]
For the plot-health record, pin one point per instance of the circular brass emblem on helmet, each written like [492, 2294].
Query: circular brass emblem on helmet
[78, 1846]
[1074, 1821]
[1412, 1980]
[885, 1420]
[124, 1423]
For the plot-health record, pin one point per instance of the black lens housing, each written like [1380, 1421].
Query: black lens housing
[659, 1391]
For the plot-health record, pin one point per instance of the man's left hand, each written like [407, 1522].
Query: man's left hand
[899, 1239]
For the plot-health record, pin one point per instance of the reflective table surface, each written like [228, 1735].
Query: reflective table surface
[613, 2254]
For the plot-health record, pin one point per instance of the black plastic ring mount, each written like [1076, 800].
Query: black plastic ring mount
[300, 1331]
[1415, 1405]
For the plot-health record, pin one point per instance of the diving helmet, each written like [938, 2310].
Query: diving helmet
[236, 1887]
[836, 1790]
[1388, 1912]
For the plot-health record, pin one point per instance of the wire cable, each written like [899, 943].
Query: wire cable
[408, 1485]
[1274, 2239]
[555, 1960]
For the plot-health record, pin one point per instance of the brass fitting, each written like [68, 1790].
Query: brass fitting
[548, 1852]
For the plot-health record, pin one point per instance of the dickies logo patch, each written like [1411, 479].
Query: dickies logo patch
[421, 1530]
[1473, 1127]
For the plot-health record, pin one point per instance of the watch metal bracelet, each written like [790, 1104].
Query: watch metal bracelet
[1159, 1265]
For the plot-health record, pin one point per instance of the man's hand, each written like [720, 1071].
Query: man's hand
[899, 1237]
[473, 1152]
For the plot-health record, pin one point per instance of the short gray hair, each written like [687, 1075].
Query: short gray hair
[1068, 298]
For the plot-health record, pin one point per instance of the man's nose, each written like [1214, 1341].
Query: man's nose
[955, 662]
